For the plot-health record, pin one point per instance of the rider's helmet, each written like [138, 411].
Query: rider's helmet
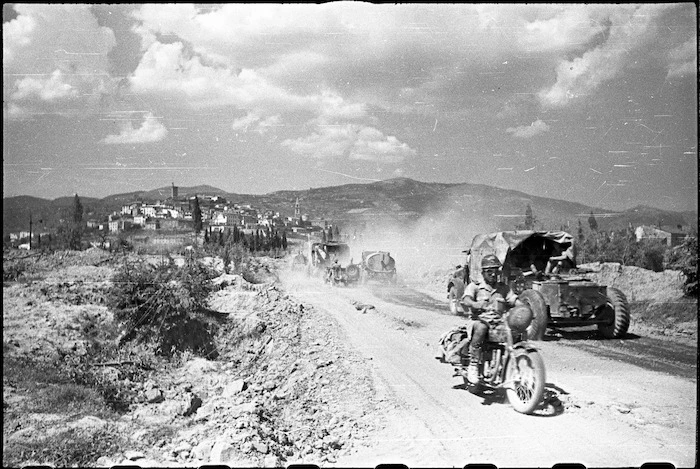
[519, 318]
[490, 262]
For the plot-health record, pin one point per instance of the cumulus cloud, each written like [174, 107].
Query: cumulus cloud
[254, 123]
[171, 70]
[16, 34]
[351, 140]
[54, 53]
[529, 131]
[684, 59]
[629, 29]
[46, 89]
[569, 27]
[151, 130]
[333, 106]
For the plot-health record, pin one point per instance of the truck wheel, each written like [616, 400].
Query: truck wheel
[617, 312]
[538, 326]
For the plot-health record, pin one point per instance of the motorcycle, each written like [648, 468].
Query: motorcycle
[510, 362]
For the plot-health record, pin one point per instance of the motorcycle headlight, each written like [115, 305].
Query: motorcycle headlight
[519, 318]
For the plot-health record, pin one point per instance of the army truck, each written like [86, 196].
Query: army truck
[332, 260]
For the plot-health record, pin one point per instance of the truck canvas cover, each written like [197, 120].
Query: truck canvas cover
[516, 248]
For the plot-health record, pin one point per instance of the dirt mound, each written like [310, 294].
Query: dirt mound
[638, 284]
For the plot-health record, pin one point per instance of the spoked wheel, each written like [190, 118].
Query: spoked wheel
[527, 377]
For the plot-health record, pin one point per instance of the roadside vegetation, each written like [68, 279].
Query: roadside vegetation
[164, 305]
[157, 316]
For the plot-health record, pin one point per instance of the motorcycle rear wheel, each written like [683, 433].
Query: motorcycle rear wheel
[527, 375]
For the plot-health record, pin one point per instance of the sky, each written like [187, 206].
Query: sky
[591, 103]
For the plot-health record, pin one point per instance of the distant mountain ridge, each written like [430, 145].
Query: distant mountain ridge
[395, 201]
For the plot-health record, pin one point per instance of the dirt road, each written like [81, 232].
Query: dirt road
[624, 403]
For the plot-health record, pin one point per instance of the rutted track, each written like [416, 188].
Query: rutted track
[647, 352]
[629, 414]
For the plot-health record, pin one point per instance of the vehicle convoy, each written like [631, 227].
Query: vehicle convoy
[333, 261]
[377, 265]
[510, 362]
[540, 267]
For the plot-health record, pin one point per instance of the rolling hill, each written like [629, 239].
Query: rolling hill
[460, 209]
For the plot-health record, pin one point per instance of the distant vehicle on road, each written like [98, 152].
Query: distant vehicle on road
[377, 265]
[333, 261]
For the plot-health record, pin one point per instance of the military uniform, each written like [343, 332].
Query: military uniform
[458, 339]
[482, 291]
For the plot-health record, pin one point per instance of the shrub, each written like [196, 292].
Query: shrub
[685, 259]
[165, 303]
[621, 247]
[13, 270]
[74, 447]
[649, 254]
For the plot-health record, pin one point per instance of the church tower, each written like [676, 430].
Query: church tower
[174, 191]
[297, 212]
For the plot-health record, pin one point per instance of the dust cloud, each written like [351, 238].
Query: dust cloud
[431, 243]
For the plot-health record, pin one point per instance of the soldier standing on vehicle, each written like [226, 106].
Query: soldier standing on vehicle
[487, 302]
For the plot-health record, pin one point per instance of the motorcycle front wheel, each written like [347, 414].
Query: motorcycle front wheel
[526, 374]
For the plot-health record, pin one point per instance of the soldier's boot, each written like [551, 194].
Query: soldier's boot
[473, 367]
[473, 371]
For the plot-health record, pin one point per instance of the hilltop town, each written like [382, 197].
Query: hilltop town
[445, 214]
[171, 221]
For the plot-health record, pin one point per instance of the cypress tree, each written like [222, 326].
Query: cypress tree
[529, 218]
[592, 223]
[76, 229]
[197, 216]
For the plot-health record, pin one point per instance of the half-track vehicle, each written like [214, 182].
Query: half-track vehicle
[540, 267]
[377, 265]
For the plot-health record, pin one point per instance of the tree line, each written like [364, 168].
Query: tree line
[622, 246]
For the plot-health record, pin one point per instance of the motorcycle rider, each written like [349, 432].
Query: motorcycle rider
[486, 301]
